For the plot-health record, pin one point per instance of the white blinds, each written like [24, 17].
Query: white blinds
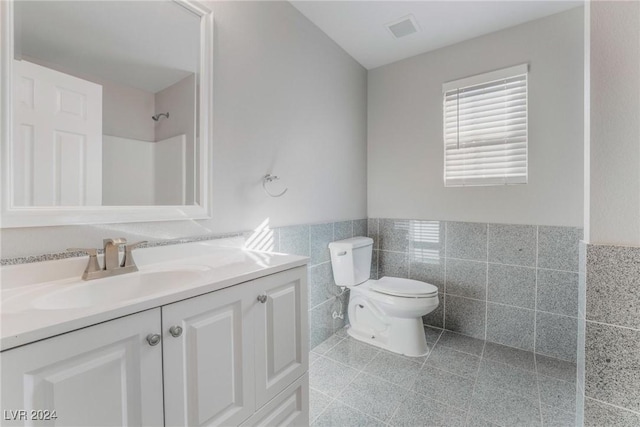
[485, 129]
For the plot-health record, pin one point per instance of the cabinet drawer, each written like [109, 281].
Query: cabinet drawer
[289, 408]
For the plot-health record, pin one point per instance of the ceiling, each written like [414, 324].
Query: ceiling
[149, 45]
[359, 26]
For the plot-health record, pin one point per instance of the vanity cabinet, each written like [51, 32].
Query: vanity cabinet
[106, 374]
[236, 356]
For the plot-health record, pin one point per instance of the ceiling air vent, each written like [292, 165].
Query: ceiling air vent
[403, 26]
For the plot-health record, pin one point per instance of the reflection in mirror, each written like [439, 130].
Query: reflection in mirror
[105, 103]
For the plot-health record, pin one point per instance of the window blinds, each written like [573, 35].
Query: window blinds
[485, 129]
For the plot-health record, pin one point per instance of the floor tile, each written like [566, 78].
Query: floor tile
[342, 332]
[556, 368]
[510, 356]
[338, 414]
[353, 353]
[453, 361]
[394, 368]
[494, 375]
[552, 417]
[317, 403]
[330, 377]
[313, 357]
[504, 408]
[557, 393]
[448, 388]
[476, 421]
[462, 343]
[417, 411]
[327, 344]
[373, 396]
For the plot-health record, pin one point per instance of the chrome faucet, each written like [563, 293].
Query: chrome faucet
[112, 264]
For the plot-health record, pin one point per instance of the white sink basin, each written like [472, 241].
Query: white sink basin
[117, 289]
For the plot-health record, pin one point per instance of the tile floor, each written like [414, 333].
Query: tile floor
[462, 382]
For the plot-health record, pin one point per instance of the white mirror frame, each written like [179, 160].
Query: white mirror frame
[20, 216]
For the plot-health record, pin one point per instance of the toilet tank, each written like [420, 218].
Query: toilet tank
[351, 260]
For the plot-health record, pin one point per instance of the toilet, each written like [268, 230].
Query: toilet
[387, 312]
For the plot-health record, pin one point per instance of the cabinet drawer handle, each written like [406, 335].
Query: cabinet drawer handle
[175, 331]
[153, 339]
[262, 298]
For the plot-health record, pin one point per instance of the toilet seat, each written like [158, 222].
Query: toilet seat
[407, 288]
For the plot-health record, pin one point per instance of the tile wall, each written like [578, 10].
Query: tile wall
[609, 336]
[516, 285]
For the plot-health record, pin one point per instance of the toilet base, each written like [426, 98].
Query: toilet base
[402, 336]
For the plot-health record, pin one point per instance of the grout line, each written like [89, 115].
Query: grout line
[535, 305]
[610, 324]
[611, 404]
[535, 364]
[486, 292]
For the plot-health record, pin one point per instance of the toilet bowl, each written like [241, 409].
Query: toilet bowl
[387, 312]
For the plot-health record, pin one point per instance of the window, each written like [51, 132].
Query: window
[485, 129]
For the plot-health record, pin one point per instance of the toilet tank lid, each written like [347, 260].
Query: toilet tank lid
[352, 243]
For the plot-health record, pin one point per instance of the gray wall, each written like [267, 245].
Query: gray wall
[516, 285]
[405, 145]
[287, 100]
[609, 327]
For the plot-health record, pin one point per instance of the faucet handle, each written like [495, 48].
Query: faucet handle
[92, 266]
[128, 261]
[116, 241]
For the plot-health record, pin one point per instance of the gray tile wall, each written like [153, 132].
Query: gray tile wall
[324, 296]
[608, 390]
[515, 285]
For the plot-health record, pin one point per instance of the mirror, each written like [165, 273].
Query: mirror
[109, 107]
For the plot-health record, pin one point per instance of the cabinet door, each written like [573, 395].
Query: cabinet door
[208, 368]
[282, 347]
[289, 408]
[105, 375]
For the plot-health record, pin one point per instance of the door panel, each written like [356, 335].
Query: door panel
[289, 408]
[104, 375]
[281, 332]
[208, 369]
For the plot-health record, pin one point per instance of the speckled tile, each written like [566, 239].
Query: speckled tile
[556, 368]
[613, 294]
[373, 274]
[466, 278]
[394, 235]
[341, 303]
[394, 368]
[445, 387]
[510, 356]
[557, 336]
[495, 375]
[343, 230]
[436, 317]
[432, 334]
[294, 240]
[265, 239]
[466, 240]
[453, 361]
[330, 377]
[327, 344]
[320, 324]
[318, 402]
[512, 285]
[553, 417]
[353, 353]
[373, 231]
[504, 408]
[512, 244]
[320, 235]
[313, 357]
[380, 400]
[512, 326]
[338, 414]
[429, 272]
[558, 247]
[416, 411]
[558, 394]
[461, 343]
[393, 264]
[612, 360]
[558, 292]
[426, 241]
[342, 332]
[321, 286]
[597, 414]
[359, 227]
[466, 316]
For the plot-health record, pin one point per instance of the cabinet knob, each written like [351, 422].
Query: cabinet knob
[153, 339]
[175, 331]
[262, 298]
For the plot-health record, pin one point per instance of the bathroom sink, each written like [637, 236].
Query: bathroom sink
[111, 290]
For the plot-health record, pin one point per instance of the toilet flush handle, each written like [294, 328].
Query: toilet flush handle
[343, 253]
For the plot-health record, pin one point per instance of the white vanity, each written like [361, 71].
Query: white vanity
[203, 334]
